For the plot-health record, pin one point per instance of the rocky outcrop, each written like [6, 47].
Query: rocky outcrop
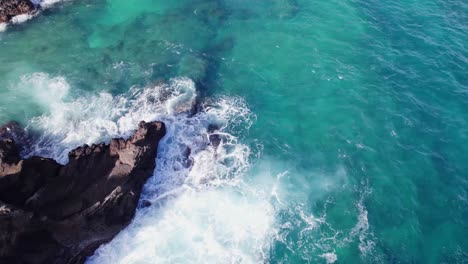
[12, 8]
[53, 213]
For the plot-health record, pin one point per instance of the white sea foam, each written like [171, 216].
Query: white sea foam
[32, 94]
[21, 18]
[361, 229]
[49, 3]
[3, 26]
[329, 257]
[45, 90]
[209, 226]
[92, 118]
[202, 211]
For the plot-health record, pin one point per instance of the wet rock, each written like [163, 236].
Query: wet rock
[214, 138]
[12, 8]
[145, 203]
[12, 130]
[53, 213]
[186, 159]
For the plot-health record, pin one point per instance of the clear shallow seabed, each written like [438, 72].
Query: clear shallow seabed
[345, 123]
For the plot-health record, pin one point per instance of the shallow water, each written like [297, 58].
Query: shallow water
[343, 122]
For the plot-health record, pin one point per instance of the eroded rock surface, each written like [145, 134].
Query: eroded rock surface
[12, 8]
[53, 213]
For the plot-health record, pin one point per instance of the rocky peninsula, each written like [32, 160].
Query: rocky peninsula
[54, 213]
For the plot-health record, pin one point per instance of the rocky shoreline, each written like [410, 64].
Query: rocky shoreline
[53, 213]
[11, 8]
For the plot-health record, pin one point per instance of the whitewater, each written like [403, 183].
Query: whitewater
[201, 209]
[212, 198]
[201, 205]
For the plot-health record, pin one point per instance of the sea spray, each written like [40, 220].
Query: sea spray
[21, 18]
[203, 202]
[48, 3]
[98, 117]
[201, 209]
[201, 213]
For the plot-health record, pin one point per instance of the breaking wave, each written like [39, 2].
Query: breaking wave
[198, 208]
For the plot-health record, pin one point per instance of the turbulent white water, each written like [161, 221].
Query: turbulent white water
[202, 211]
[207, 204]
[25, 17]
[16, 20]
[21, 18]
[49, 3]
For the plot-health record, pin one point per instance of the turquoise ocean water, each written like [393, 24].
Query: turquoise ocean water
[344, 123]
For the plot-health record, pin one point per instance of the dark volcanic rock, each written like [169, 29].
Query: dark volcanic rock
[53, 213]
[15, 134]
[11, 8]
[11, 130]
